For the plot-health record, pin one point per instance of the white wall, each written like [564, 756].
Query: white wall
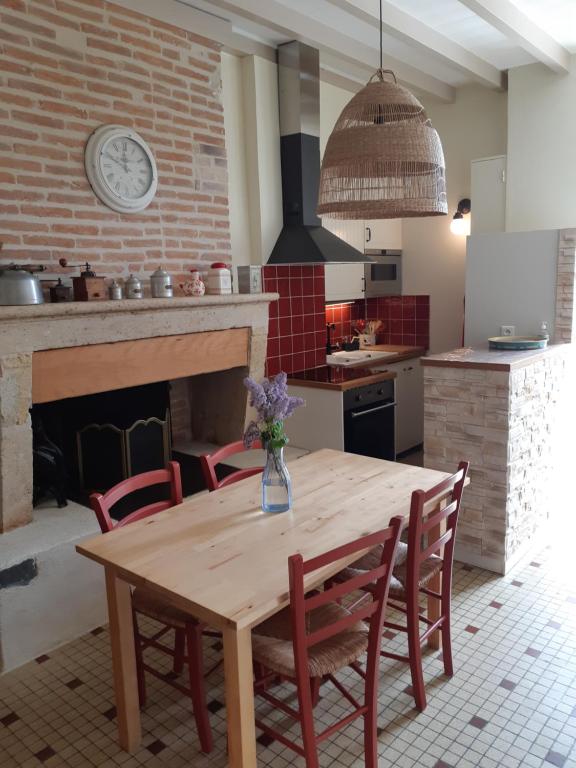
[234, 126]
[541, 190]
[332, 101]
[510, 280]
[434, 259]
[250, 94]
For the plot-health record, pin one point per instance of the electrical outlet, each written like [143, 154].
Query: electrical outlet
[507, 330]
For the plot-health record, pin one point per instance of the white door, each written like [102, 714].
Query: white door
[488, 194]
[344, 282]
[383, 233]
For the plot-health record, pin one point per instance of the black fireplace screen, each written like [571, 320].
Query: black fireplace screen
[107, 455]
[94, 442]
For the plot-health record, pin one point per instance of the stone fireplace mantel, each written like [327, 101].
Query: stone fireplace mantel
[25, 331]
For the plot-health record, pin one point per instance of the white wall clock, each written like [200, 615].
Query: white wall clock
[121, 168]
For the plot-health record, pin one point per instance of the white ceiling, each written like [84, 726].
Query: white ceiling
[434, 46]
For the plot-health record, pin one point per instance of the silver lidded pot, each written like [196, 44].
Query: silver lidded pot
[18, 286]
[133, 288]
[161, 284]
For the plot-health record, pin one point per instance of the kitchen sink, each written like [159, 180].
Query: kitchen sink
[357, 357]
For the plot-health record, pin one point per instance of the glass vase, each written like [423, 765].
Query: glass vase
[276, 484]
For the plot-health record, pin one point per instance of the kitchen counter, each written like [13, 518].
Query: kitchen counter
[509, 415]
[400, 353]
[482, 358]
[338, 378]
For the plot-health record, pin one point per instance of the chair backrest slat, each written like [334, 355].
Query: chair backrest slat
[435, 518]
[209, 462]
[102, 503]
[436, 546]
[337, 591]
[364, 612]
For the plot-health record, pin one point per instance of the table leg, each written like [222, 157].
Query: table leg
[239, 697]
[123, 661]
[435, 584]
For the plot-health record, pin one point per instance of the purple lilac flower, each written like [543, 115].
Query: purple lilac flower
[272, 404]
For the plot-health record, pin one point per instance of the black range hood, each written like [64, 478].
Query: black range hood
[303, 239]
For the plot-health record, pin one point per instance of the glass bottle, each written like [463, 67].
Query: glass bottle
[276, 484]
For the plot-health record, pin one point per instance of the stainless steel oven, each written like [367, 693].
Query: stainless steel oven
[383, 276]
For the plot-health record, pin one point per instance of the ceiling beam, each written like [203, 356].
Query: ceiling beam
[409, 29]
[507, 18]
[281, 18]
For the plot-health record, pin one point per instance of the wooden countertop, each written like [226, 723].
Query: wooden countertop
[492, 360]
[338, 378]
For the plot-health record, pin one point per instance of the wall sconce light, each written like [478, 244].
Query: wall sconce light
[459, 225]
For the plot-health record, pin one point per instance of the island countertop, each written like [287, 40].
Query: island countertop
[488, 359]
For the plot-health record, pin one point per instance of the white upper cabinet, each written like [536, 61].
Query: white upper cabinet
[383, 233]
[488, 194]
[350, 231]
[344, 282]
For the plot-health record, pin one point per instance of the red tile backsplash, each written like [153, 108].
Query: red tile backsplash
[297, 326]
[405, 319]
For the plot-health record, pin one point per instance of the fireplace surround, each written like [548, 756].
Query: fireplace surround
[49, 352]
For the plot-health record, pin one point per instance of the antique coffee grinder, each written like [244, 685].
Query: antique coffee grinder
[87, 286]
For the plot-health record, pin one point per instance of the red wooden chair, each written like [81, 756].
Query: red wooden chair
[187, 631]
[209, 462]
[424, 557]
[317, 636]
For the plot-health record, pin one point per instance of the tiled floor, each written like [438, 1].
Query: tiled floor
[511, 703]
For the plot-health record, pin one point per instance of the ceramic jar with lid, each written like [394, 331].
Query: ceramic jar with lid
[219, 279]
[133, 288]
[161, 285]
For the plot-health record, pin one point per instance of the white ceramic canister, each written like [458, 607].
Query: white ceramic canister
[218, 279]
[161, 285]
[133, 288]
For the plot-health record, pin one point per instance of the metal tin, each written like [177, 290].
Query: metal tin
[60, 292]
[161, 285]
[250, 279]
[115, 290]
[133, 288]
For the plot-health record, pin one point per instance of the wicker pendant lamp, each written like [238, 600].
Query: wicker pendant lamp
[383, 160]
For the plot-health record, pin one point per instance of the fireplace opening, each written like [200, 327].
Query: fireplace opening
[91, 443]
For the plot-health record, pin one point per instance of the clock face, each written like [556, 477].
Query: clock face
[126, 168]
[121, 168]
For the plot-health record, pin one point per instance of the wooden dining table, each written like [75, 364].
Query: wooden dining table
[224, 561]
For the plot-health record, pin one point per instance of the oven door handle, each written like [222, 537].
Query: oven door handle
[357, 414]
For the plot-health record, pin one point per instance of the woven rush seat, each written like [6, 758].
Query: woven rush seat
[152, 605]
[428, 569]
[272, 642]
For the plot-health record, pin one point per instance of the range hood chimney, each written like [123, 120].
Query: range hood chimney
[303, 239]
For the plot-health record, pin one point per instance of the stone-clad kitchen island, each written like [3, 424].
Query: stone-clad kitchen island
[510, 415]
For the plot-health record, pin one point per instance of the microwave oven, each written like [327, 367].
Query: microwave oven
[383, 275]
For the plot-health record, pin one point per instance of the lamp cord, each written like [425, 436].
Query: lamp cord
[380, 34]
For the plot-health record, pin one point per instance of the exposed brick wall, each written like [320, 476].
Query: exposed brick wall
[68, 66]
